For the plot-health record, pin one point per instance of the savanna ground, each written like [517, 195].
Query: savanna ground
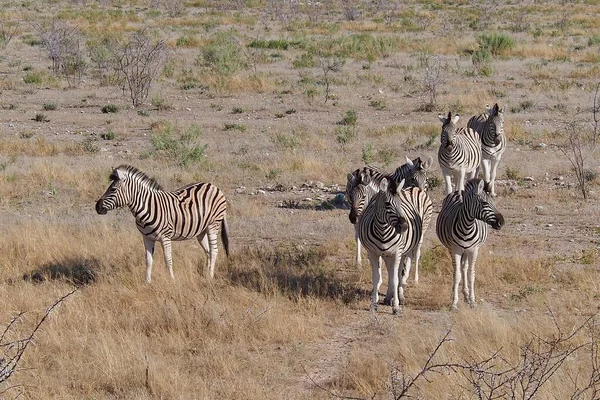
[275, 102]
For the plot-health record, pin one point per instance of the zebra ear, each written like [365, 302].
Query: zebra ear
[455, 119]
[443, 119]
[503, 109]
[428, 163]
[383, 185]
[351, 178]
[409, 161]
[399, 186]
[480, 186]
[120, 175]
[495, 109]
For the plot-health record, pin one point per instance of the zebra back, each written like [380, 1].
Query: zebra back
[464, 217]
[490, 129]
[460, 148]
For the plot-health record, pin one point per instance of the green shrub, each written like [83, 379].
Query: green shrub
[33, 78]
[496, 43]
[89, 145]
[368, 154]
[223, 55]
[181, 148]
[345, 135]
[110, 135]
[49, 106]
[110, 108]
[39, 117]
[305, 60]
[349, 119]
[279, 44]
[594, 40]
[160, 103]
[235, 127]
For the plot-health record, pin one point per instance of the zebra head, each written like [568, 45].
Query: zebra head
[479, 204]
[448, 129]
[496, 122]
[390, 205]
[116, 195]
[360, 188]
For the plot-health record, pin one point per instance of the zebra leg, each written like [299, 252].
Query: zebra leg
[149, 245]
[358, 247]
[405, 262]
[472, 258]
[457, 275]
[447, 179]
[460, 181]
[394, 281]
[465, 269]
[376, 279]
[417, 257]
[203, 240]
[486, 170]
[166, 244]
[494, 170]
[214, 250]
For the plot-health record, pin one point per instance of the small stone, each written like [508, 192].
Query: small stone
[549, 225]
[260, 191]
[528, 179]
[538, 209]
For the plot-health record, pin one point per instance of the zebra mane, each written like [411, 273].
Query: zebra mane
[137, 175]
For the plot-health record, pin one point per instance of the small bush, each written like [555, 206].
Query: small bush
[368, 154]
[160, 103]
[349, 119]
[279, 44]
[235, 127]
[512, 173]
[305, 60]
[89, 145]
[49, 106]
[180, 148]
[110, 135]
[287, 141]
[594, 40]
[33, 78]
[39, 117]
[237, 110]
[273, 174]
[496, 43]
[110, 108]
[223, 55]
[345, 135]
[27, 135]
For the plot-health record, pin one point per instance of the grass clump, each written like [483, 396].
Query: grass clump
[496, 43]
[278, 44]
[110, 108]
[180, 148]
[223, 55]
[110, 135]
[33, 78]
[49, 106]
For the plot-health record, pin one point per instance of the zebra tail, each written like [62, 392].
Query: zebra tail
[225, 235]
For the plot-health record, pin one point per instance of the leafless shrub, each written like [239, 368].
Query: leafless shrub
[137, 62]
[486, 10]
[8, 30]
[65, 46]
[329, 65]
[431, 78]
[350, 9]
[595, 112]
[13, 345]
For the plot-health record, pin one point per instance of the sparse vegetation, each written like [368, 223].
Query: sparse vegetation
[275, 102]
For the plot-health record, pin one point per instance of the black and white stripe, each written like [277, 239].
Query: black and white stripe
[462, 227]
[413, 172]
[196, 210]
[490, 128]
[391, 228]
[459, 153]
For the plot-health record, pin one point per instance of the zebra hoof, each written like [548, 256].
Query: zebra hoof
[473, 304]
[396, 311]
[374, 307]
[454, 307]
[387, 301]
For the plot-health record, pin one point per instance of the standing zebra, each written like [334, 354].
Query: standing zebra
[462, 228]
[391, 228]
[196, 210]
[414, 173]
[459, 153]
[490, 128]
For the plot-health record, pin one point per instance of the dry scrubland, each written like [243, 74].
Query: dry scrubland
[241, 102]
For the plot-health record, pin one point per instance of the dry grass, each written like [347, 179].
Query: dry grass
[287, 315]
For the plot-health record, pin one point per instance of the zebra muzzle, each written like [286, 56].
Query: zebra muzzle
[100, 207]
[499, 222]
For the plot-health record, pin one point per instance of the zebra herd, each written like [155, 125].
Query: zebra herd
[390, 212]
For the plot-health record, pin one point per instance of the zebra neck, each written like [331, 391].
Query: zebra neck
[141, 200]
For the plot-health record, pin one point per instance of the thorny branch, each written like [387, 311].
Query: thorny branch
[12, 351]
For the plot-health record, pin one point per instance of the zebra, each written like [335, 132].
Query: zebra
[414, 173]
[490, 128]
[462, 227]
[391, 228]
[459, 153]
[196, 210]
